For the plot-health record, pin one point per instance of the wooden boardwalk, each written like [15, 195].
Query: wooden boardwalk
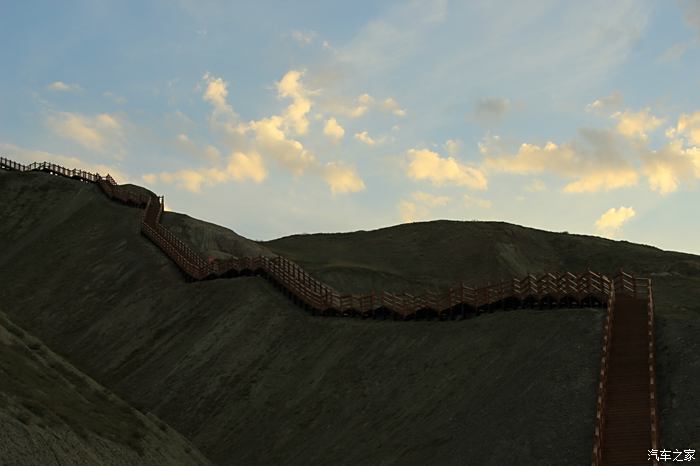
[626, 408]
[628, 424]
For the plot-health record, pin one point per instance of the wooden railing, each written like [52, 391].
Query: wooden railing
[549, 289]
[585, 289]
[637, 288]
[599, 434]
[653, 402]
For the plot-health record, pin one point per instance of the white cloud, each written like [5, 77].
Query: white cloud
[239, 167]
[689, 126]
[91, 132]
[303, 37]
[63, 87]
[606, 104]
[223, 117]
[453, 146]
[183, 139]
[391, 105]
[271, 140]
[428, 165]
[408, 211]
[471, 201]
[610, 223]
[636, 124]
[342, 179]
[333, 130]
[242, 166]
[595, 161]
[604, 180]
[290, 86]
[670, 166]
[362, 104]
[267, 136]
[360, 107]
[364, 137]
[216, 94]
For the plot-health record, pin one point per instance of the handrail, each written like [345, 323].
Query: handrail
[599, 433]
[637, 288]
[321, 297]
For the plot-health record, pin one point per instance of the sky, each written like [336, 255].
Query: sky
[278, 118]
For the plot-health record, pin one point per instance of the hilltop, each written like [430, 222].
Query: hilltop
[249, 378]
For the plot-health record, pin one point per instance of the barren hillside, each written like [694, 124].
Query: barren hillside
[50, 413]
[251, 379]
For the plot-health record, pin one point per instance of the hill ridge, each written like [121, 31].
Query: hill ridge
[565, 289]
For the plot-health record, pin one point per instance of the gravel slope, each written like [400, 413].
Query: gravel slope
[51, 414]
[252, 379]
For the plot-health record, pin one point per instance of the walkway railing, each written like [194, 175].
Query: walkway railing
[565, 289]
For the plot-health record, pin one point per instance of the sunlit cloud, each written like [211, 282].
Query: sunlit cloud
[610, 223]
[342, 179]
[428, 165]
[239, 167]
[668, 167]
[595, 162]
[688, 126]
[303, 37]
[391, 105]
[636, 124]
[273, 142]
[333, 130]
[290, 86]
[453, 147]
[606, 105]
[60, 86]
[365, 138]
[92, 132]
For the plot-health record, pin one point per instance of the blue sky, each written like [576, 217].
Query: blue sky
[273, 118]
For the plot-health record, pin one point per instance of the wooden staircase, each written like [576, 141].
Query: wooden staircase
[627, 421]
[627, 410]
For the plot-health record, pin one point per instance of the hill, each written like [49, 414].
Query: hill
[250, 378]
[50, 413]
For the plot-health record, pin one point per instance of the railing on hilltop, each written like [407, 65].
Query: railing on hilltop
[588, 288]
[583, 289]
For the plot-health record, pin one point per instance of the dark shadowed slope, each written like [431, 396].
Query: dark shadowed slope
[435, 254]
[209, 239]
[441, 252]
[252, 379]
[52, 414]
